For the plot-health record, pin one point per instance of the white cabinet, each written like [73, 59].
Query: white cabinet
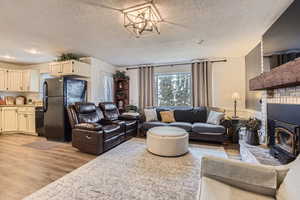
[26, 120]
[9, 119]
[14, 80]
[31, 123]
[3, 73]
[17, 120]
[0, 120]
[30, 81]
[22, 122]
[70, 67]
[19, 80]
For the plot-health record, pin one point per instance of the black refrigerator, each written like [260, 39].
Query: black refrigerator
[59, 93]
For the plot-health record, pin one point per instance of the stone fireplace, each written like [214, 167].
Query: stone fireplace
[284, 131]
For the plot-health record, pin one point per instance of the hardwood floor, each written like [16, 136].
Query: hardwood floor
[24, 170]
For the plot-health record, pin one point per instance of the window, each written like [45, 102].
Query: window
[173, 88]
[108, 88]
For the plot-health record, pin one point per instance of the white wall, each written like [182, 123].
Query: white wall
[133, 86]
[229, 77]
[99, 69]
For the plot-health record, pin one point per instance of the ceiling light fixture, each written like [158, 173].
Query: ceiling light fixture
[8, 57]
[142, 19]
[33, 51]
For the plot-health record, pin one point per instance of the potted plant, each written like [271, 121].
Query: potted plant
[121, 75]
[68, 56]
[252, 126]
[131, 108]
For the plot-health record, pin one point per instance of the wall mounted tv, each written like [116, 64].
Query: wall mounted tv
[281, 43]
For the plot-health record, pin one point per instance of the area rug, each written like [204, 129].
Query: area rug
[42, 145]
[130, 172]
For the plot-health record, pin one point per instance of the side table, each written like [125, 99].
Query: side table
[234, 128]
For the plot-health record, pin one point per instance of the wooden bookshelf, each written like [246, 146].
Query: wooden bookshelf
[121, 93]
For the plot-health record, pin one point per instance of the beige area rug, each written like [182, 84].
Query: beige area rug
[130, 172]
[42, 145]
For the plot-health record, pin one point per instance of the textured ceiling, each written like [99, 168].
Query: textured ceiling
[86, 27]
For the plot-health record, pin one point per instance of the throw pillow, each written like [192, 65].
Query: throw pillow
[215, 117]
[150, 115]
[167, 116]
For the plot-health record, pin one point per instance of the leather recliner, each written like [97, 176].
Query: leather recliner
[91, 132]
[128, 123]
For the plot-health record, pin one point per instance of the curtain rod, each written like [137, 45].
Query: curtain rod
[175, 64]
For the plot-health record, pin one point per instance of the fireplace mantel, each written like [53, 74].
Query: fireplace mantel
[285, 75]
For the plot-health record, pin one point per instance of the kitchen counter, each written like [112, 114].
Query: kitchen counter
[25, 105]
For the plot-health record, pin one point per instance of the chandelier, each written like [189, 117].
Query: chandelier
[142, 19]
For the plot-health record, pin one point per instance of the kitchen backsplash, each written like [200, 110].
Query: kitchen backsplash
[33, 96]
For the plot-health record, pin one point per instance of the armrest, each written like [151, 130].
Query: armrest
[128, 117]
[89, 126]
[255, 178]
[107, 122]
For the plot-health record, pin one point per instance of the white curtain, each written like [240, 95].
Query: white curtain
[108, 88]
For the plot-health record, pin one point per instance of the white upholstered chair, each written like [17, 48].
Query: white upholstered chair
[235, 180]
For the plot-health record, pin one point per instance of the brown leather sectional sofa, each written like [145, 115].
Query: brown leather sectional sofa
[96, 131]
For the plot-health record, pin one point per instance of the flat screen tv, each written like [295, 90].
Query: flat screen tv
[281, 42]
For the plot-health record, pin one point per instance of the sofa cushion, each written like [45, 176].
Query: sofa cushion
[184, 125]
[160, 109]
[85, 108]
[289, 189]
[208, 128]
[167, 116]
[148, 125]
[214, 190]
[191, 115]
[215, 117]
[110, 131]
[199, 114]
[183, 114]
[150, 115]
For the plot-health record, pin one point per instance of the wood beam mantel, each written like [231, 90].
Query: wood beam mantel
[286, 75]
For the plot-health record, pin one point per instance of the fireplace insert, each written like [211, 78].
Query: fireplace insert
[283, 140]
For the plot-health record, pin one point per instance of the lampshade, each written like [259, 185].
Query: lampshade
[235, 96]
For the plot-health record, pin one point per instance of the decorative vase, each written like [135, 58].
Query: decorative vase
[252, 137]
[121, 104]
[120, 85]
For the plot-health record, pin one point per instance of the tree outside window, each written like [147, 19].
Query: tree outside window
[173, 89]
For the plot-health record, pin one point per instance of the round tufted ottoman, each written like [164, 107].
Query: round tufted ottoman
[167, 141]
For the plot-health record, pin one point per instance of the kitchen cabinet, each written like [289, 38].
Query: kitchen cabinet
[26, 120]
[30, 81]
[0, 120]
[69, 68]
[3, 79]
[17, 119]
[9, 119]
[19, 80]
[14, 80]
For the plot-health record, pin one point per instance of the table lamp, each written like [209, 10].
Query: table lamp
[235, 97]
